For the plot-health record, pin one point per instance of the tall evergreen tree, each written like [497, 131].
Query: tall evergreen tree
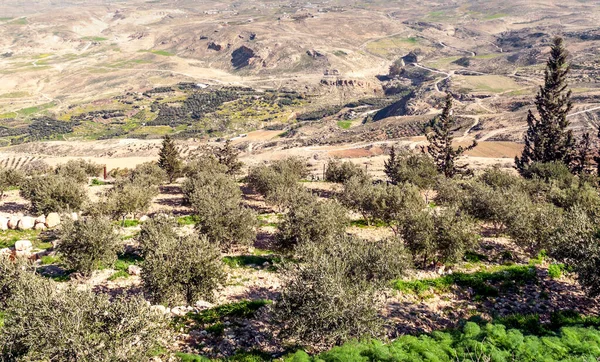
[440, 143]
[228, 156]
[169, 159]
[547, 138]
[583, 155]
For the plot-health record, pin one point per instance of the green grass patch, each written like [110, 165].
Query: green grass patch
[159, 52]
[94, 38]
[97, 182]
[119, 274]
[15, 95]
[8, 238]
[344, 124]
[47, 260]
[474, 257]
[555, 271]
[244, 309]
[35, 109]
[362, 223]
[128, 223]
[507, 276]
[187, 220]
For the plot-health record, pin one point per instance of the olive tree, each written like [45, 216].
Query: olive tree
[79, 170]
[46, 323]
[311, 221]
[437, 235]
[54, 193]
[332, 295]
[10, 177]
[217, 202]
[88, 243]
[178, 268]
[340, 172]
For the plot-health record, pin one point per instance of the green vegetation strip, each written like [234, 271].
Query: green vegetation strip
[568, 337]
[478, 281]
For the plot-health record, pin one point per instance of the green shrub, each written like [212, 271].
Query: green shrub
[9, 178]
[438, 236]
[178, 269]
[46, 323]
[340, 172]
[220, 215]
[576, 243]
[374, 261]
[387, 203]
[415, 168]
[315, 221]
[89, 243]
[129, 198]
[278, 181]
[321, 306]
[54, 193]
[147, 174]
[79, 170]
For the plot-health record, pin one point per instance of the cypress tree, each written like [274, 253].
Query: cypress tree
[169, 159]
[228, 156]
[582, 158]
[440, 143]
[547, 138]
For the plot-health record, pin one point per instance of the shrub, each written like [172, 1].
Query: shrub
[374, 261]
[79, 170]
[10, 177]
[11, 273]
[315, 221]
[128, 198]
[391, 202]
[278, 181]
[358, 195]
[53, 193]
[341, 172]
[88, 243]
[533, 225]
[216, 200]
[382, 202]
[321, 306]
[178, 269]
[442, 236]
[36, 168]
[148, 174]
[576, 243]
[556, 173]
[415, 168]
[45, 323]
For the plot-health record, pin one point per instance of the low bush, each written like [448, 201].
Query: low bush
[278, 181]
[220, 215]
[176, 268]
[415, 168]
[314, 221]
[54, 193]
[320, 306]
[10, 178]
[340, 172]
[89, 243]
[46, 323]
[79, 170]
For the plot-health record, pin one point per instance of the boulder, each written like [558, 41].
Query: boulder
[23, 245]
[26, 223]
[3, 223]
[74, 216]
[144, 218]
[40, 226]
[13, 222]
[52, 220]
[202, 304]
[134, 270]
[5, 252]
[40, 219]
